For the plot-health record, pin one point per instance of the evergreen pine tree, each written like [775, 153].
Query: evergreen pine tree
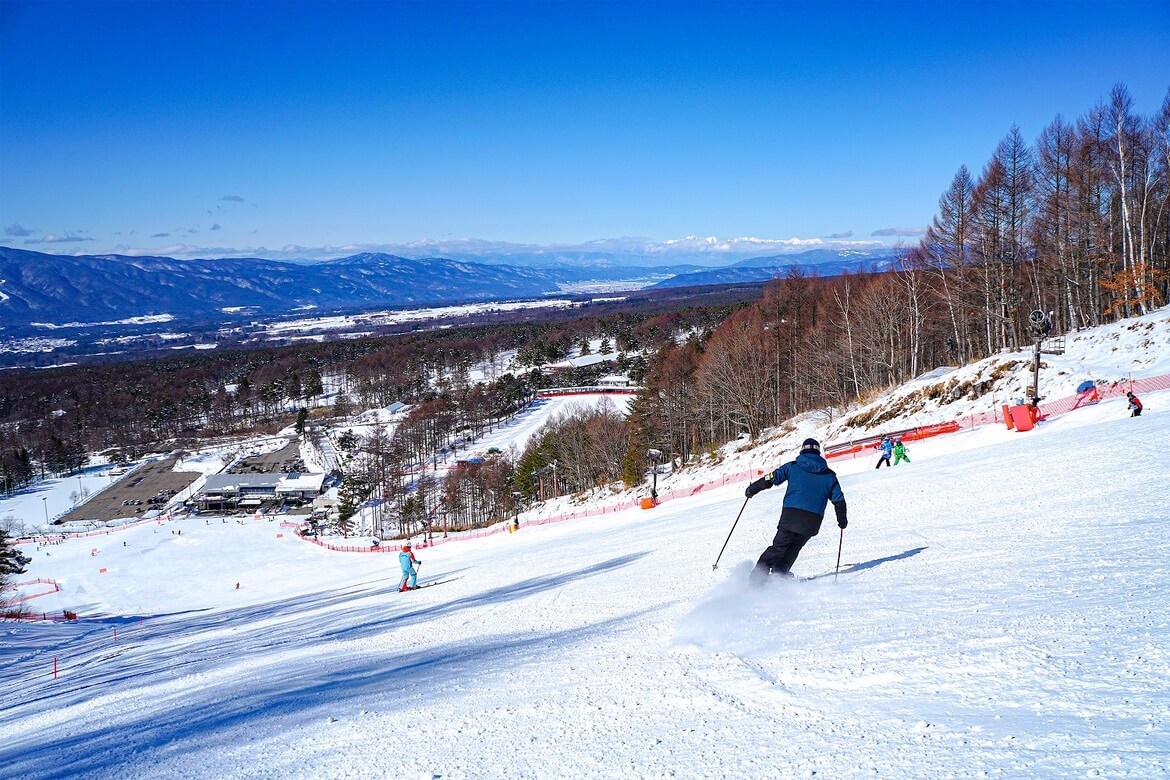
[12, 562]
[354, 490]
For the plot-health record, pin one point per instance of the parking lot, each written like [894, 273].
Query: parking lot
[283, 461]
[147, 488]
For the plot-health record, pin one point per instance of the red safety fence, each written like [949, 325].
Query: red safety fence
[502, 527]
[58, 538]
[556, 392]
[53, 587]
[45, 617]
[996, 416]
[908, 434]
[1150, 384]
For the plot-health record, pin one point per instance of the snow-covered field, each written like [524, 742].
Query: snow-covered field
[1001, 611]
[46, 500]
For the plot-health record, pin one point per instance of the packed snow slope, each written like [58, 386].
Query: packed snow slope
[1001, 611]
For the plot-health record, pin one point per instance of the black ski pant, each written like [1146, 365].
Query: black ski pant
[779, 557]
[883, 459]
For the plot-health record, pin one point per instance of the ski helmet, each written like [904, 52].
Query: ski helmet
[810, 445]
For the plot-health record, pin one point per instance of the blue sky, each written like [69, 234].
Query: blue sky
[203, 128]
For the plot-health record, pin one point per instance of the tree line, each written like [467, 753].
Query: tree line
[1076, 224]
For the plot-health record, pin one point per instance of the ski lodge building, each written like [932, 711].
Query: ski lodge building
[252, 491]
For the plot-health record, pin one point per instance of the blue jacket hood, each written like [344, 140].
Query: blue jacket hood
[812, 463]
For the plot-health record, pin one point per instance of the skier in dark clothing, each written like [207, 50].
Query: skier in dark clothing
[811, 486]
[1135, 406]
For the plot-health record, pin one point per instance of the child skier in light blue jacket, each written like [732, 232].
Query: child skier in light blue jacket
[407, 561]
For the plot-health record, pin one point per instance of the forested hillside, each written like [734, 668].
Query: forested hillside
[1076, 224]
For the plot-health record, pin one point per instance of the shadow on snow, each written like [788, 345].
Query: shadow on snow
[853, 568]
[300, 694]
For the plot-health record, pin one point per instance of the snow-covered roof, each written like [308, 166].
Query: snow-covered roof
[300, 483]
[231, 483]
[583, 360]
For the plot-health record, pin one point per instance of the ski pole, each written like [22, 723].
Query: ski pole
[715, 565]
[840, 543]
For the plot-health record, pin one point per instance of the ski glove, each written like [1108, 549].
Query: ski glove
[839, 508]
[763, 483]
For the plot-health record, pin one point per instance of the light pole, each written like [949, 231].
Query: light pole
[655, 457]
[45, 504]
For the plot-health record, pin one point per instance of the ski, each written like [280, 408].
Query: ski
[430, 584]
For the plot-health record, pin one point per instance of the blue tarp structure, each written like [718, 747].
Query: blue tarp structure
[1085, 386]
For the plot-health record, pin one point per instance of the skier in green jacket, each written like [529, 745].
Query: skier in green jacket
[900, 452]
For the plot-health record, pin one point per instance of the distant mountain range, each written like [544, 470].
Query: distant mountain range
[628, 252]
[635, 253]
[58, 289]
[815, 262]
[39, 291]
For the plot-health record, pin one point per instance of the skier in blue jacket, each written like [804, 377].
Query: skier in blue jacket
[887, 448]
[811, 486]
[407, 561]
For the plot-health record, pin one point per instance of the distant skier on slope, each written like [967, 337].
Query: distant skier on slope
[887, 448]
[900, 452]
[811, 486]
[1135, 405]
[407, 561]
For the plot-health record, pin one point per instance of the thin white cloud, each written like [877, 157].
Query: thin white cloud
[899, 232]
[53, 238]
[17, 231]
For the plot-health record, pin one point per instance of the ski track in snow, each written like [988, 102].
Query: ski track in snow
[1000, 612]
